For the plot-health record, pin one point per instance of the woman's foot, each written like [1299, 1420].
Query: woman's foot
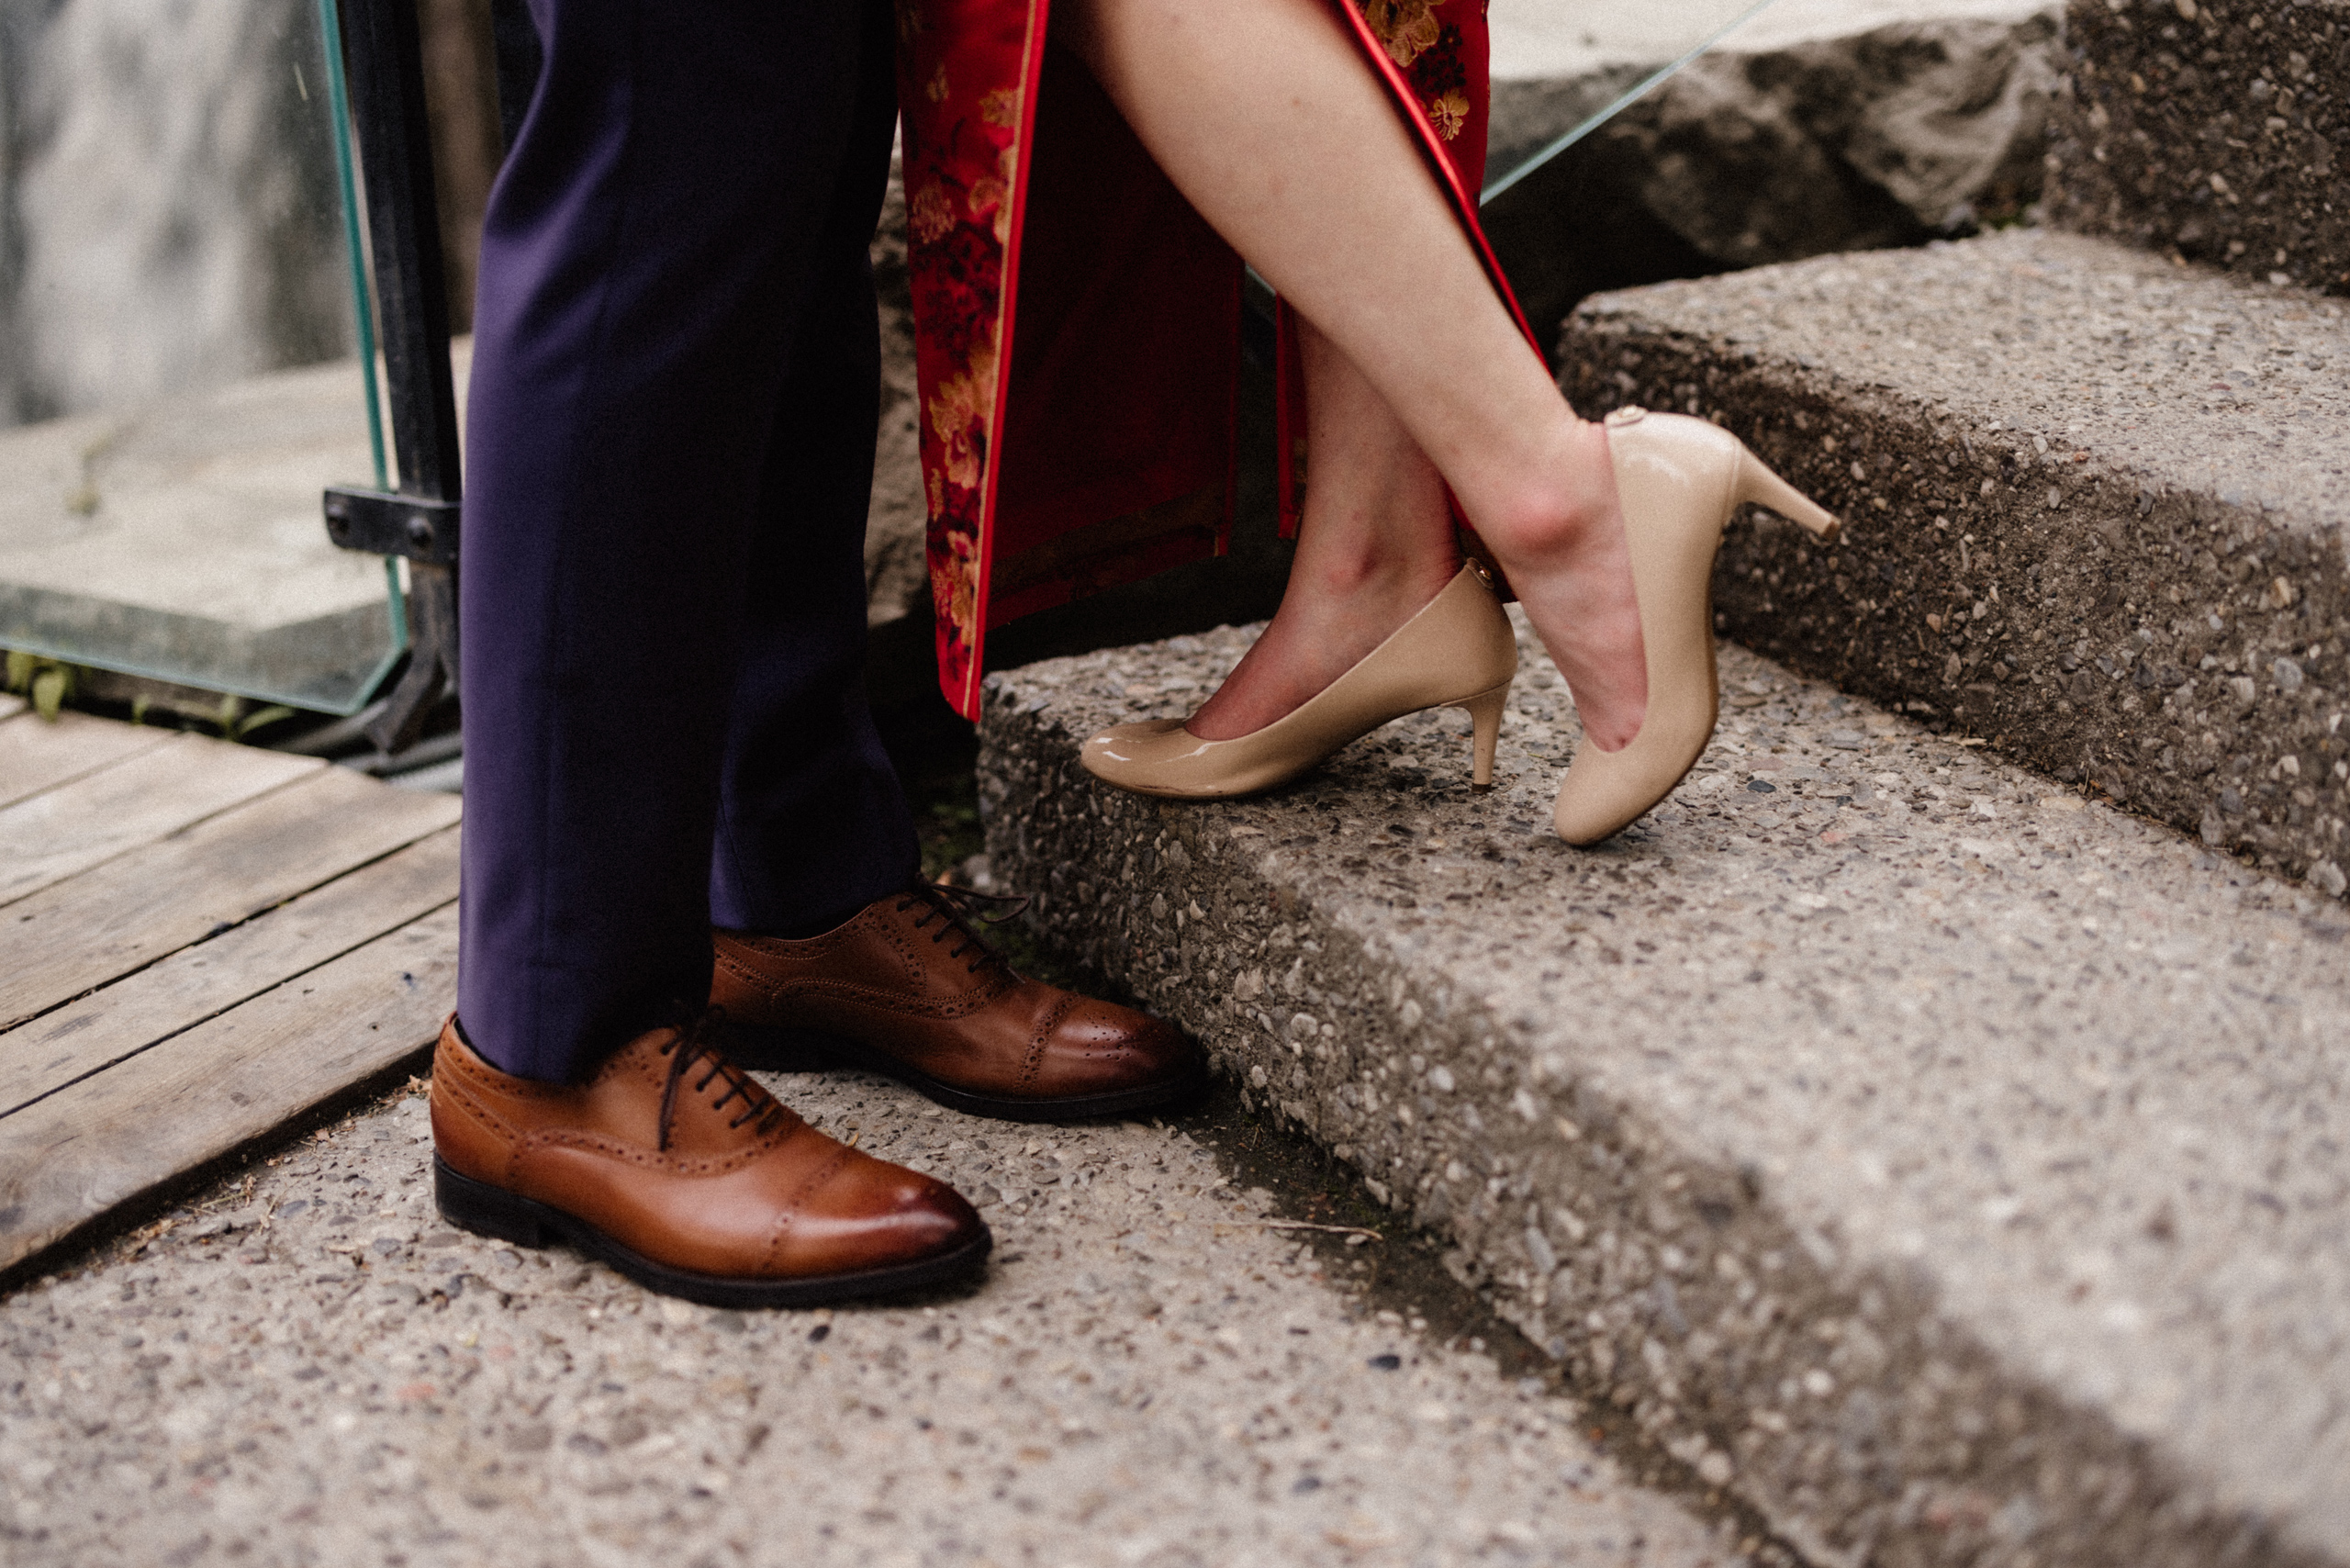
[1682, 480]
[1457, 652]
[1329, 620]
[1563, 546]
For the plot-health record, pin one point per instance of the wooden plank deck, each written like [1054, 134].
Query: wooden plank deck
[198, 942]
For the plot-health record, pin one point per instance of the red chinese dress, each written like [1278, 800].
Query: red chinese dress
[1101, 448]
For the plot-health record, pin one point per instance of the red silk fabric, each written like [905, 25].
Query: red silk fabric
[1102, 447]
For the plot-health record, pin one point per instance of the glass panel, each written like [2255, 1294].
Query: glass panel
[179, 373]
[1561, 67]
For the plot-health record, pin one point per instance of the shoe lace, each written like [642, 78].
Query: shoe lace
[695, 1042]
[956, 909]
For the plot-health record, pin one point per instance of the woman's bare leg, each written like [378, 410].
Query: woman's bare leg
[1375, 545]
[1262, 113]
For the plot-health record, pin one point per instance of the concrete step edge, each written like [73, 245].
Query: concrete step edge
[2003, 533]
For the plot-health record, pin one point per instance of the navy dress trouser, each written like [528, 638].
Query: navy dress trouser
[670, 443]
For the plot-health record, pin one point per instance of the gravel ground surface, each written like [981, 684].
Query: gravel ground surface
[305, 1366]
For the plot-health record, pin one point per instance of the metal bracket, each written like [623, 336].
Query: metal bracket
[424, 531]
[382, 523]
[432, 658]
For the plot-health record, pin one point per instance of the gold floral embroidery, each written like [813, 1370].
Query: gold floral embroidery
[931, 214]
[1450, 114]
[938, 92]
[1428, 49]
[1000, 107]
[1408, 27]
[955, 590]
[959, 420]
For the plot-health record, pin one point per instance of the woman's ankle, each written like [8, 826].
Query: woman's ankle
[1553, 504]
[1356, 576]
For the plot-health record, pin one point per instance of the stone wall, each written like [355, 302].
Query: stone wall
[1885, 137]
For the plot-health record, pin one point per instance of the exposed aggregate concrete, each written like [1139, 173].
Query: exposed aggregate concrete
[309, 1368]
[2219, 129]
[2095, 508]
[1956, 1169]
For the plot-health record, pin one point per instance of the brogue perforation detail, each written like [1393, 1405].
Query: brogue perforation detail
[789, 1210]
[1043, 1038]
[643, 1158]
[893, 1001]
[908, 962]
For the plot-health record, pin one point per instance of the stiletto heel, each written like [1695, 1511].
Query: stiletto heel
[1681, 480]
[1457, 652]
[1758, 486]
[1485, 713]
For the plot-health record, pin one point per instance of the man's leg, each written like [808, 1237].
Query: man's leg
[812, 824]
[816, 885]
[647, 253]
[644, 255]
[824, 925]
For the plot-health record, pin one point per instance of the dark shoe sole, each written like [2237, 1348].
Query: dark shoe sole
[492, 1211]
[771, 1050]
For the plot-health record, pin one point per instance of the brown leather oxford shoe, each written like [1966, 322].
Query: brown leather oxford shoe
[908, 990]
[677, 1169]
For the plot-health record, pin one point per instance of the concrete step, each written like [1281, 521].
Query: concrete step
[2218, 129]
[2094, 505]
[1956, 1168]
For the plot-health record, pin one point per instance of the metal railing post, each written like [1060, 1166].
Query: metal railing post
[419, 520]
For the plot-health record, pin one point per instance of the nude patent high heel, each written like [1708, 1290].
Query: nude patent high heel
[1681, 480]
[1457, 652]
